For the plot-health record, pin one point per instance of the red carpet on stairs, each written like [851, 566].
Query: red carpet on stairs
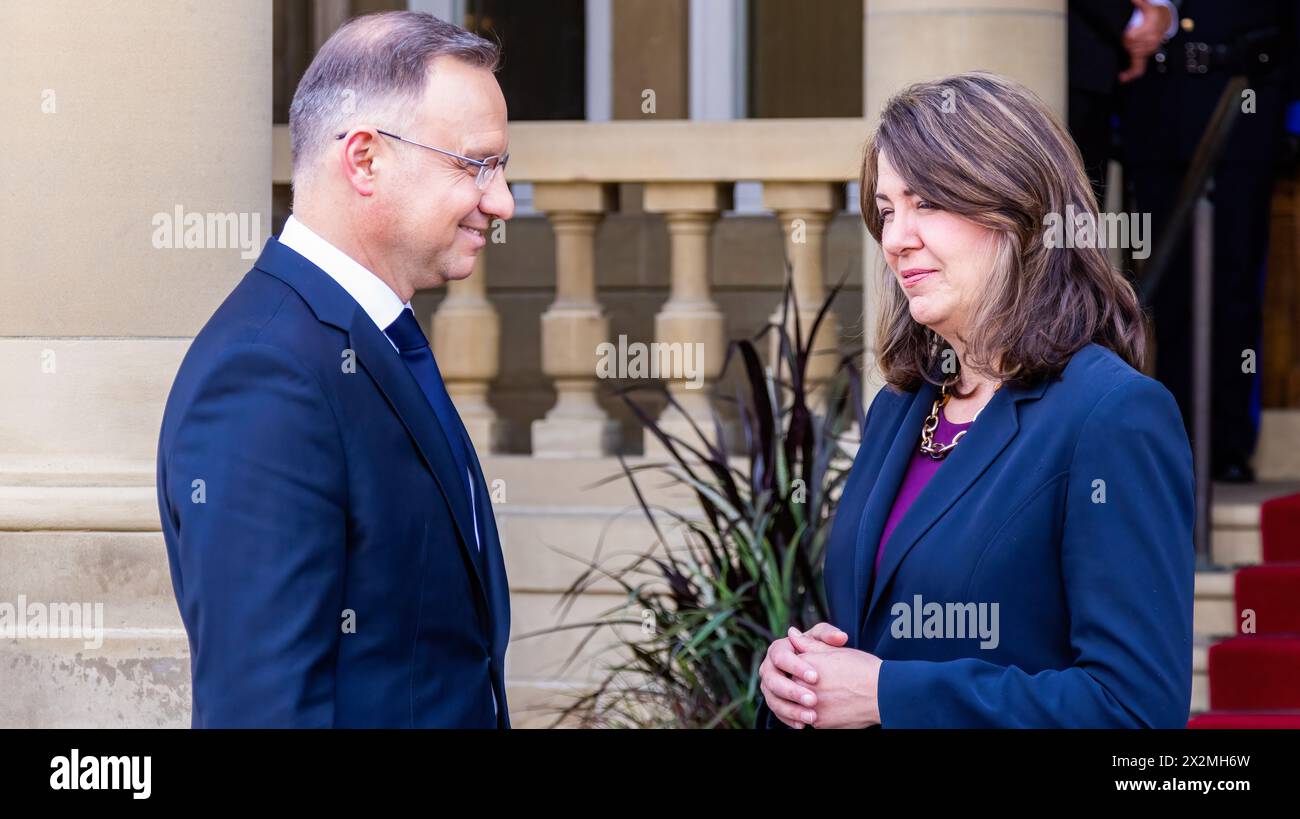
[1255, 677]
[1272, 591]
[1255, 672]
[1279, 529]
[1245, 719]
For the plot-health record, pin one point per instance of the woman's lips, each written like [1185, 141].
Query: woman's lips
[914, 275]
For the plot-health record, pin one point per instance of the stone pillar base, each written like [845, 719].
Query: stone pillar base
[696, 404]
[682, 429]
[488, 434]
[574, 438]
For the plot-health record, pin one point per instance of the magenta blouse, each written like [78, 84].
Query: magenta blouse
[919, 471]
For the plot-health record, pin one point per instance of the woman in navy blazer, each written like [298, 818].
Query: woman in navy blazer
[1013, 545]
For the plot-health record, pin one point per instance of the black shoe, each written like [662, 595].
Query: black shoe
[1234, 471]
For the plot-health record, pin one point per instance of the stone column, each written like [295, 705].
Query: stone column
[574, 325]
[467, 343]
[110, 268]
[132, 122]
[804, 209]
[690, 328]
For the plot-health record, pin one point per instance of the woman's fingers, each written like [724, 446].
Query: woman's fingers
[803, 644]
[784, 659]
[782, 686]
[827, 634]
[788, 700]
[821, 637]
[792, 714]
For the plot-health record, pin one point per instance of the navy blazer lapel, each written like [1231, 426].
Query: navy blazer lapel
[996, 425]
[493, 560]
[327, 300]
[332, 304]
[880, 499]
[376, 354]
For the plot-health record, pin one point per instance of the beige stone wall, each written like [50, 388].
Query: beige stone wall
[119, 119]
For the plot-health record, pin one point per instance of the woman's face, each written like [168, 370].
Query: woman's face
[939, 259]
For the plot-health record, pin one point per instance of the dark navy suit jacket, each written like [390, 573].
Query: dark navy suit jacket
[322, 547]
[1070, 505]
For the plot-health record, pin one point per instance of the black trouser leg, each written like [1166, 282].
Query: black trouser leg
[1241, 214]
[1242, 197]
[1090, 116]
[1155, 186]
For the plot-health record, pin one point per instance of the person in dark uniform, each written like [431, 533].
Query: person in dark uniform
[1098, 36]
[1163, 114]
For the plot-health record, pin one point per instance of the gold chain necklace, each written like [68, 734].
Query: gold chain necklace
[940, 451]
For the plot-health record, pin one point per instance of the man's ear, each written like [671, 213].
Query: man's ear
[357, 160]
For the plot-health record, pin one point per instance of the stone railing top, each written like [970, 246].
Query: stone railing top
[777, 150]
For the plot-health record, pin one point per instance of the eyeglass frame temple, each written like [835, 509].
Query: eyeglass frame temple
[481, 164]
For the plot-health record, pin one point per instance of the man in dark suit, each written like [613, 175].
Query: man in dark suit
[331, 541]
[1163, 114]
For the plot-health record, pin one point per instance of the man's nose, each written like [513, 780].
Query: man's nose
[498, 202]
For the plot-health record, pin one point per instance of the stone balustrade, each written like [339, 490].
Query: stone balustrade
[687, 171]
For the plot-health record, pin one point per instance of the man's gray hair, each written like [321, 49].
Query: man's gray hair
[374, 66]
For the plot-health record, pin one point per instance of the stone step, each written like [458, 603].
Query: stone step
[556, 517]
[1200, 677]
[1214, 613]
[1277, 457]
[589, 489]
[546, 548]
[137, 678]
[1235, 539]
[140, 678]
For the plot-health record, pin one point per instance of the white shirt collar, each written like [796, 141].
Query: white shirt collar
[376, 298]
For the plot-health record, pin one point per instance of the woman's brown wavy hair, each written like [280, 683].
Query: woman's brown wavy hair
[988, 149]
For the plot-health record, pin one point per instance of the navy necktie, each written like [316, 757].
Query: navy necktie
[413, 346]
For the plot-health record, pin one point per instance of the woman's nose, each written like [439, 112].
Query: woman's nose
[900, 235]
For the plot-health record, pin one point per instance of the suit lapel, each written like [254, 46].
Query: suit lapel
[906, 434]
[996, 426]
[493, 560]
[404, 395]
[332, 305]
[498, 598]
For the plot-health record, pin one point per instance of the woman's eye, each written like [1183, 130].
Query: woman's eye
[926, 205]
[886, 213]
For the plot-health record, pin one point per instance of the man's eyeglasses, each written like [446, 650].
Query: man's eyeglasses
[487, 168]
